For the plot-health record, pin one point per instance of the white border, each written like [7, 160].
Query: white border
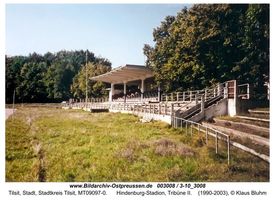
[59, 186]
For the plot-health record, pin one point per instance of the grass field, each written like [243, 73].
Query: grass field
[50, 144]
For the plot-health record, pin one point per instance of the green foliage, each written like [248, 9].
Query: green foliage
[13, 67]
[255, 45]
[48, 78]
[31, 81]
[211, 43]
[95, 89]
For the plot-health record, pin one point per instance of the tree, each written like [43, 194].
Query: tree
[31, 87]
[48, 77]
[58, 80]
[211, 43]
[13, 68]
[95, 89]
[254, 65]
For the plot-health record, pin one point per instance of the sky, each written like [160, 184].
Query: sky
[117, 32]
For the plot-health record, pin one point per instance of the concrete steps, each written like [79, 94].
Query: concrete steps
[252, 120]
[243, 127]
[249, 130]
[255, 138]
[255, 142]
[259, 117]
[262, 114]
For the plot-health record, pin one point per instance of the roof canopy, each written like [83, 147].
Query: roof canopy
[125, 74]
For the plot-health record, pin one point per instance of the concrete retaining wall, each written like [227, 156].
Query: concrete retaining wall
[146, 116]
[217, 109]
[245, 104]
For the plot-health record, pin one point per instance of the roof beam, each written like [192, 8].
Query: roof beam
[125, 73]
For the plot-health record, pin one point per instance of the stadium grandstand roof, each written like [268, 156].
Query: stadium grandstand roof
[125, 74]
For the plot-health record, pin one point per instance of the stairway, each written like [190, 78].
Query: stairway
[194, 113]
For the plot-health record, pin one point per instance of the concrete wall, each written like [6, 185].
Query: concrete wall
[245, 104]
[241, 106]
[231, 107]
[198, 117]
[218, 109]
[147, 116]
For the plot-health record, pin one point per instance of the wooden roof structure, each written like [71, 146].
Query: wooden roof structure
[125, 74]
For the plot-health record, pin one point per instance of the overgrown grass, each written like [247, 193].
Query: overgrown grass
[48, 144]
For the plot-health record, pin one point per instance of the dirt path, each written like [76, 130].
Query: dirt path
[9, 112]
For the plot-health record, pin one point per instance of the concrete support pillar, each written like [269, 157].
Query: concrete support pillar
[248, 91]
[142, 89]
[196, 98]
[183, 96]
[172, 109]
[111, 92]
[202, 104]
[124, 90]
[232, 107]
[159, 94]
[219, 89]
[225, 89]
[172, 113]
[268, 90]
[236, 95]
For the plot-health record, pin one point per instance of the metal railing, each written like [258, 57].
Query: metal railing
[193, 95]
[91, 103]
[190, 125]
[218, 135]
[89, 100]
[207, 97]
[181, 96]
[135, 97]
[158, 108]
[244, 91]
[188, 102]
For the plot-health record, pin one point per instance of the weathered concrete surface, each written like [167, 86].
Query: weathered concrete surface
[255, 138]
[244, 127]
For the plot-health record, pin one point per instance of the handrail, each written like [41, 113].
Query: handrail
[192, 113]
[217, 135]
[178, 97]
[215, 93]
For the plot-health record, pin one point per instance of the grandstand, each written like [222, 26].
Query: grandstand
[134, 91]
